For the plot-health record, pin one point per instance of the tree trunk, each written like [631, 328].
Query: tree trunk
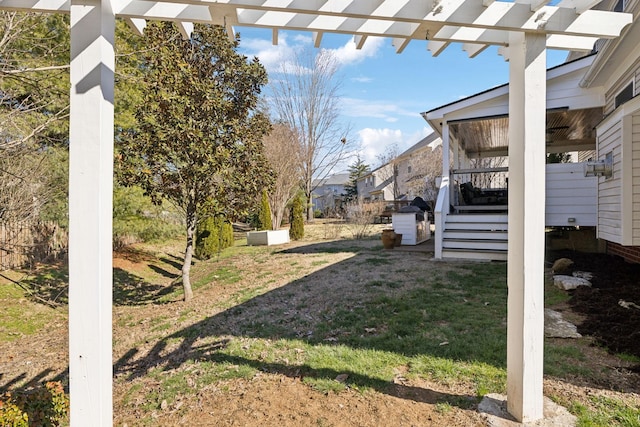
[309, 206]
[188, 253]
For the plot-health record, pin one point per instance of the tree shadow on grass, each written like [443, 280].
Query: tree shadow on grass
[356, 380]
[129, 289]
[373, 309]
[48, 284]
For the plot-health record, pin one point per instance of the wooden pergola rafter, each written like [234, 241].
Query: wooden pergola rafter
[524, 29]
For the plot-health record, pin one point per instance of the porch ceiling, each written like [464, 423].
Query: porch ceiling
[566, 130]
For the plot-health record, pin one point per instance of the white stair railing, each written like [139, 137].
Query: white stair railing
[440, 214]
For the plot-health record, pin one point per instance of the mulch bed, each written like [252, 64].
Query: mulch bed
[614, 281]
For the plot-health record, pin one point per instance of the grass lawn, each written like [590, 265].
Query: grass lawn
[318, 332]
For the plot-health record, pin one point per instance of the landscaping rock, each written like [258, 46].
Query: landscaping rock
[568, 283]
[583, 274]
[561, 265]
[494, 409]
[556, 327]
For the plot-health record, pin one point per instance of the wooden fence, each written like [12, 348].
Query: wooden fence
[26, 243]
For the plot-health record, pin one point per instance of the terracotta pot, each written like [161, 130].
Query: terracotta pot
[388, 238]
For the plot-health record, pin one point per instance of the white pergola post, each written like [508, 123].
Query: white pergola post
[446, 155]
[90, 212]
[525, 271]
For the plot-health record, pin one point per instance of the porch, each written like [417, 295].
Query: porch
[471, 213]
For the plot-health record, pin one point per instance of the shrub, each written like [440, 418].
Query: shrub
[214, 234]
[136, 219]
[10, 414]
[265, 213]
[296, 231]
[45, 406]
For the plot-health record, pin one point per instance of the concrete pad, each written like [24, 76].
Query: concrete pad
[493, 408]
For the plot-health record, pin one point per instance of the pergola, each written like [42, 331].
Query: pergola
[524, 29]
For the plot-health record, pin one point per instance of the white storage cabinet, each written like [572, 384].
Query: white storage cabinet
[413, 230]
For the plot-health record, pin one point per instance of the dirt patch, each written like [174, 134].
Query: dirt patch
[602, 306]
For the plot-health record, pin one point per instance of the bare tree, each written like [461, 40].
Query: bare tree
[282, 150]
[426, 167]
[388, 169]
[305, 96]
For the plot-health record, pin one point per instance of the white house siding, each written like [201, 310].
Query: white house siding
[570, 195]
[635, 150]
[631, 75]
[610, 189]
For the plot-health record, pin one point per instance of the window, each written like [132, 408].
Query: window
[624, 95]
[409, 169]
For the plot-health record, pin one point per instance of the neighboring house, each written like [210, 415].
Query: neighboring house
[592, 109]
[377, 185]
[403, 178]
[329, 192]
[417, 167]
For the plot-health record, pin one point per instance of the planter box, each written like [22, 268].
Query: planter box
[267, 237]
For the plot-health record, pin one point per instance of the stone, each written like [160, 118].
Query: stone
[561, 265]
[556, 327]
[493, 408]
[567, 283]
[583, 274]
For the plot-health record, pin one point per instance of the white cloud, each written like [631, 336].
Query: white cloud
[375, 142]
[362, 79]
[272, 56]
[347, 54]
[377, 109]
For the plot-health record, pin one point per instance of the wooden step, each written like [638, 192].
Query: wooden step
[486, 244]
[472, 234]
[474, 255]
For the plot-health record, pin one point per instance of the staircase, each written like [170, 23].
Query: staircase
[475, 236]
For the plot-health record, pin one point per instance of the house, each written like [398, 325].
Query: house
[407, 176]
[377, 185]
[417, 169]
[328, 192]
[591, 109]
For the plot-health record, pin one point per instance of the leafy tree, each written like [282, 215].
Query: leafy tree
[34, 101]
[306, 97]
[356, 171]
[296, 231]
[265, 212]
[34, 78]
[198, 137]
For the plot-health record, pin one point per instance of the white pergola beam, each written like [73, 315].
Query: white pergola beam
[359, 41]
[377, 18]
[526, 243]
[137, 25]
[473, 49]
[317, 38]
[185, 29]
[436, 47]
[90, 212]
[500, 38]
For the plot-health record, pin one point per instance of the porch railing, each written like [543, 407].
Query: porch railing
[440, 215]
[479, 189]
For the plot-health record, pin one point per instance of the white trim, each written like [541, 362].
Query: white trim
[626, 181]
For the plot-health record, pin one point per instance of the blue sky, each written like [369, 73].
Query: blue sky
[383, 92]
